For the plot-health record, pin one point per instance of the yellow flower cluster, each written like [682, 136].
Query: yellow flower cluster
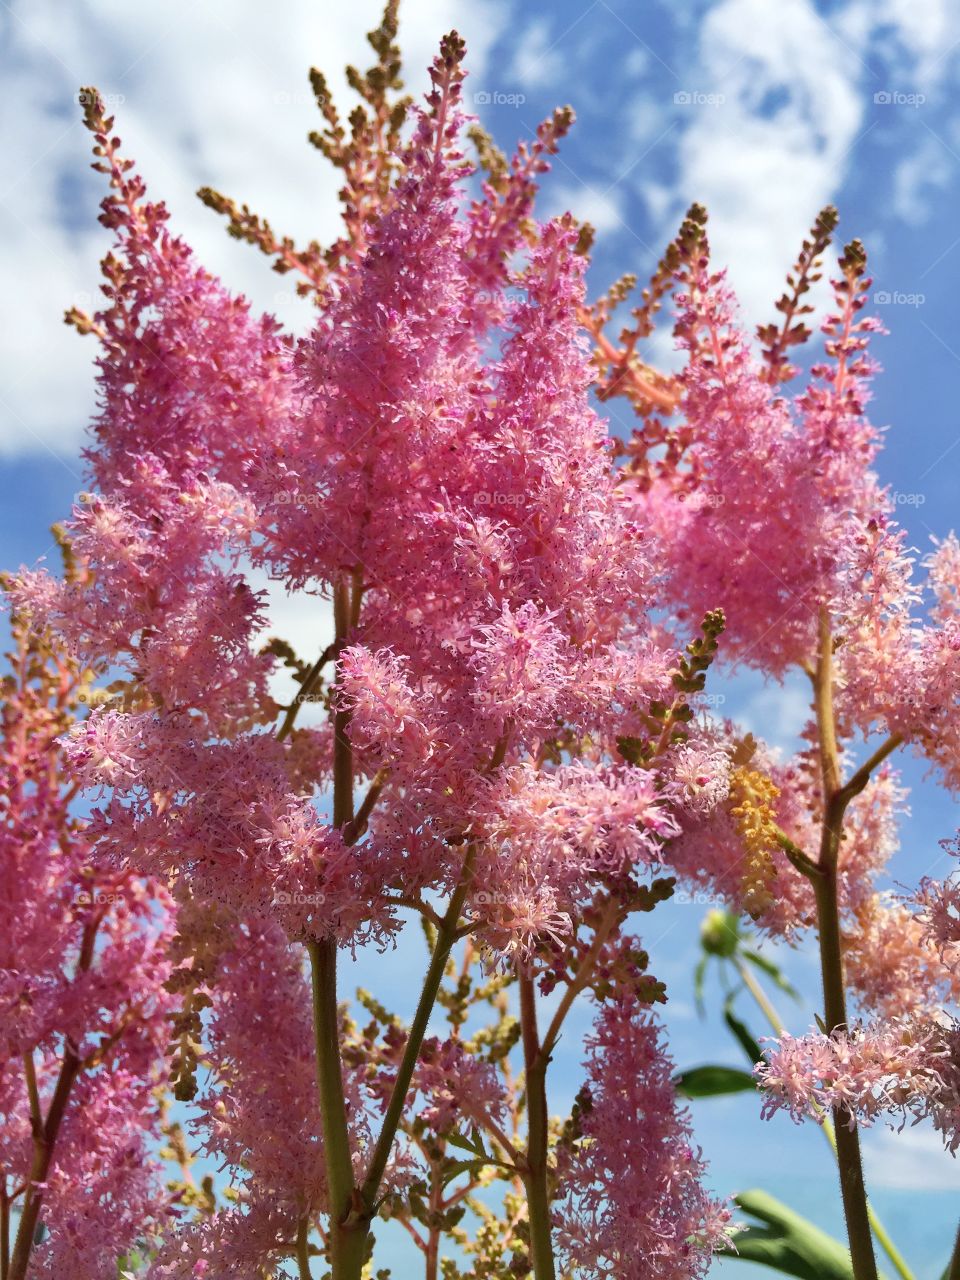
[752, 796]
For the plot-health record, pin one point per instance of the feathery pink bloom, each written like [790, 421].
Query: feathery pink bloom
[635, 1203]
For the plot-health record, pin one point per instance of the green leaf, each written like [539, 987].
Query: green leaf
[473, 1144]
[787, 1242]
[713, 1081]
[773, 971]
[741, 1032]
[699, 974]
[456, 1167]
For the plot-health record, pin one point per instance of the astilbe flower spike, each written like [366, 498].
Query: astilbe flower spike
[455, 496]
[635, 1203]
[512, 745]
[83, 1004]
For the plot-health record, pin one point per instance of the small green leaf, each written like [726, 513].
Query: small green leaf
[741, 1032]
[787, 1242]
[772, 971]
[699, 974]
[713, 1081]
[456, 1167]
[473, 1144]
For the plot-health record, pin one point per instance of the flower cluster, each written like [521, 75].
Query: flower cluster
[892, 1069]
[83, 1006]
[636, 1206]
[512, 745]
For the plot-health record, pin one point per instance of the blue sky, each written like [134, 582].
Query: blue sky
[764, 111]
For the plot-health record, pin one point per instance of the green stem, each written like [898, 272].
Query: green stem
[953, 1273]
[446, 937]
[535, 1171]
[760, 996]
[849, 1161]
[853, 1190]
[778, 1027]
[44, 1143]
[356, 1206]
[4, 1231]
[303, 1248]
[348, 1235]
[333, 1112]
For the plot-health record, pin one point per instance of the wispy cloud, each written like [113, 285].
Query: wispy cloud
[203, 94]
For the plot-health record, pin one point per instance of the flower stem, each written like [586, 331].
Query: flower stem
[303, 1249]
[760, 996]
[835, 800]
[348, 1237]
[446, 937]
[333, 1112]
[777, 1025]
[44, 1139]
[535, 1170]
[46, 1130]
[4, 1231]
[953, 1271]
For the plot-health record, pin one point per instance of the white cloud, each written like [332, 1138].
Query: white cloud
[771, 153]
[603, 209]
[777, 714]
[927, 169]
[797, 95]
[306, 623]
[206, 94]
[922, 46]
[914, 1160]
[537, 60]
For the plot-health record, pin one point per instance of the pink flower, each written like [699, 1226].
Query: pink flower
[905, 1068]
[635, 1203]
